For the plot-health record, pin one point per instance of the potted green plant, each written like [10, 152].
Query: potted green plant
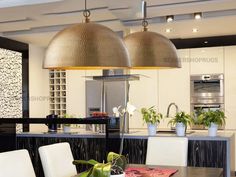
[181, 121]
[212, 119]
[67, 127]
[151, 118]
[115, 166]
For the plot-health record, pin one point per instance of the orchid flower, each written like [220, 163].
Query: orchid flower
[116, 111]
[130, 110]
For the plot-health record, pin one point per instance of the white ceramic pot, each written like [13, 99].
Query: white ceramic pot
[152, 129]
[212, 130]
[180, 129]
[120, 175]
[66, 129]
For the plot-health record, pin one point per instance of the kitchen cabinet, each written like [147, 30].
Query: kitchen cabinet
[230, 86]
[57, 84]
[174, 86]
[142, 93]
[207, 60]
[75, 94]
[207, 154]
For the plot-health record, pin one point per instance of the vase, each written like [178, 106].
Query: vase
[212, 130]
[66, 129]
[180, 129]
[152, 129]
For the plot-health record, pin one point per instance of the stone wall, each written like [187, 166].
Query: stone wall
[10, 84]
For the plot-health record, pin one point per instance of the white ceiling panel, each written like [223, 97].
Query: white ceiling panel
[36, 21]
[14, 3]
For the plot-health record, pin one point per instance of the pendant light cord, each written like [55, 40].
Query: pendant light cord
[86, 12]
[144, 12]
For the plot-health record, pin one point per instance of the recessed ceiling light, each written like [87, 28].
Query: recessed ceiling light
[195, 30]
[169, 18]
[198, 15]
[168, 30]
[205, 42]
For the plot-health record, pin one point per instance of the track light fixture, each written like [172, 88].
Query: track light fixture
[198, 15]
[170, 18]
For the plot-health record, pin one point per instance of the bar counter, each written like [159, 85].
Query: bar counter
[203, 151]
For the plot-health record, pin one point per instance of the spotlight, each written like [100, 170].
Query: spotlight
[195, 30]
[198, 15]
[169, 18]
[168, 30]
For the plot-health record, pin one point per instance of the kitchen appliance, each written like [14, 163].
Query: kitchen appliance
[107, 91]
[207, 88]
[207, 93]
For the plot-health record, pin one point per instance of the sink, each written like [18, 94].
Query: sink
[133, 131]
[172, 132]
[166, 131]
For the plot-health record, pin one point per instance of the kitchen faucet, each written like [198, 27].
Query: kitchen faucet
[168, 109]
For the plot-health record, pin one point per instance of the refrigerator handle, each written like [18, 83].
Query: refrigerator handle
[103, 97]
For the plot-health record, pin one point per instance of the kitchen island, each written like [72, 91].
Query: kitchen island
[203, 151]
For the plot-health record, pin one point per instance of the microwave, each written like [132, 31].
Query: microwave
[207, 86]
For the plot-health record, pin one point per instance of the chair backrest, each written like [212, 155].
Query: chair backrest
[16, 164]
[57, 160]
[169, 151]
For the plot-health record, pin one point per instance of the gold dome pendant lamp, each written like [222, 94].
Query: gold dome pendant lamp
[150, 50]
[86, 46]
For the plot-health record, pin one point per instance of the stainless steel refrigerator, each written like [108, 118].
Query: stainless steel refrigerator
[105, 92]
[113, 95]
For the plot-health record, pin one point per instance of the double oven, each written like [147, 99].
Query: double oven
[207, 92]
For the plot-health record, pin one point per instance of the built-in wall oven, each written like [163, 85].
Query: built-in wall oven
[207, 93]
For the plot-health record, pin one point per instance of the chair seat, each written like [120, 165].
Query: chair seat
[167, 151]
[57, 160]
[16, 164]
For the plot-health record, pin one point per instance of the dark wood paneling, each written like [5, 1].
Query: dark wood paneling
[135, 150]
[82, 148]
[7, 137]
[200, 153]
[207, 154]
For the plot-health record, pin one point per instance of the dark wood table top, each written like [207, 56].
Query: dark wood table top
[189, 171]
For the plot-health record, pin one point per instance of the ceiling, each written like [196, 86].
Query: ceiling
[34, 21]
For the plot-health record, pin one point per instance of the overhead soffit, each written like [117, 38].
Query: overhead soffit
[19, 21]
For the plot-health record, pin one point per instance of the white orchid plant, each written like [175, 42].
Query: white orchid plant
[119, 112]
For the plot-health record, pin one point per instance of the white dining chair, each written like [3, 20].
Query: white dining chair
[16, 164]
[167, 151]
[57, 160]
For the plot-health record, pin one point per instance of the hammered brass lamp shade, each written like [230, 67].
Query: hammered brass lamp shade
[150, 50]
[86, 46]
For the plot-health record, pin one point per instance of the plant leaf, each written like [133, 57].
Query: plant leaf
[85, 173]
[85, 162]
[101, 170]
[117, 160]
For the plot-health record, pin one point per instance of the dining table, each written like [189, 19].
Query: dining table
[179, 171]
[182, 171]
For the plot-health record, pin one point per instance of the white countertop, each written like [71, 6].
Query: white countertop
[133, 134]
